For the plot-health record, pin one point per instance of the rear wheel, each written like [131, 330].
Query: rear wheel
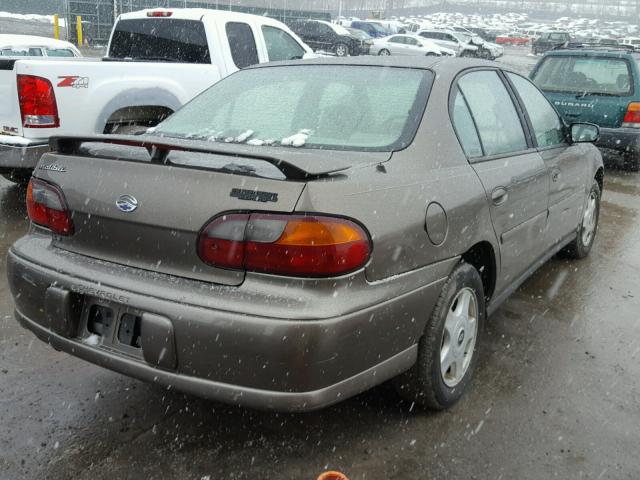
[586, 232]
[341, 50]
[448, 350]
[384, 52]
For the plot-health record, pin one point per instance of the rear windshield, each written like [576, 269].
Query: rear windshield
[584, 75]
[160, 39]
[310, 106]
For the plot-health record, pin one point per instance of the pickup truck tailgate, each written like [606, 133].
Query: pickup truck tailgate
[173, 204]
[10, 120]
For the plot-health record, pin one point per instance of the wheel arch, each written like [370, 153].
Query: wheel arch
[599, 177]
[137, 98]
[483, 258]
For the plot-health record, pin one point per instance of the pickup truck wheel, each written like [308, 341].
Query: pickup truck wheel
[341, 50]
[586, 232]
[19, 176]
[448, 350]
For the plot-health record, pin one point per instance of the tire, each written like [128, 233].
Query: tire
[20, 176]
[632, 162]
[341, 50]
[384, 52]
[586, 231]
[425, 383]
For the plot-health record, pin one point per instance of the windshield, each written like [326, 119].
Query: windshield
[333, 107]
[160, 39]
[585, 75]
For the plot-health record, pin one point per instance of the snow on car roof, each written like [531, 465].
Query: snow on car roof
[10, 40]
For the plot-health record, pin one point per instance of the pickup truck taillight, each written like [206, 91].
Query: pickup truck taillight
[297, 245]
[47, 207]
[632, 117]
[37, 102]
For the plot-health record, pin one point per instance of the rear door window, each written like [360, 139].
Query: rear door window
[547, 126]
[465, 128]
[494, 113]
[604, 76]
[281, 45]
[242, 44]
[160, 39]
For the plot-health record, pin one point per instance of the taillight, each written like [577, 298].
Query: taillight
[159, 13]
[296, 245]
[47, 207]
[632, 117]
[37, 102]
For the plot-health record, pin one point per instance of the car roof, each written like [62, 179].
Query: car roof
[198, 14]
[446, 65]
[595, 52]
[9, 40]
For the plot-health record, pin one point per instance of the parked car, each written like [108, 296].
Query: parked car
[405, 45]
[157, 60]
[463, 44]
[513, 38]
[251, 249]
[597, 84]
[451, 40]
[329, 37]
[32, 46]
[550, 41]
[631, 41]
[373, 29]
[486, 49]
[363, 37]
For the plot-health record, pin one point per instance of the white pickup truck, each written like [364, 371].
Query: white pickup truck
[156, 61]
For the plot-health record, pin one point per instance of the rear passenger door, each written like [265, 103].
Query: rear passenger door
[564, 161]
[494, 136]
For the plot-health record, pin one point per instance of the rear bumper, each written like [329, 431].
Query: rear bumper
[620, 139]
[21, 153]
[244, 359]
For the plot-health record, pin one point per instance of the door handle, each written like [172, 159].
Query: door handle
[499, 195]
[555, 175]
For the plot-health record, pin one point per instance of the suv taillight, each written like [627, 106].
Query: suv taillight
[632, 117]
[47, 207]
[296, 245]
[37, 102]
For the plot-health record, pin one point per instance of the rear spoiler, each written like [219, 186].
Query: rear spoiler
[159, 147]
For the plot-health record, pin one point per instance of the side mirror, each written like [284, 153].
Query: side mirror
[584, 133]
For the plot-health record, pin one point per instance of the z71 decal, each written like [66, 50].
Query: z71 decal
[73, 81]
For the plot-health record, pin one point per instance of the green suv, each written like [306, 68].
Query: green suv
[596, 84]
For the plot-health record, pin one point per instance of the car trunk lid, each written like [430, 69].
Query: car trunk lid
[167, 193]
[605, 111]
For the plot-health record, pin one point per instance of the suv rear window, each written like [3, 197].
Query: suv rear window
[312, 106]
[160, 39]
[584, 75]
